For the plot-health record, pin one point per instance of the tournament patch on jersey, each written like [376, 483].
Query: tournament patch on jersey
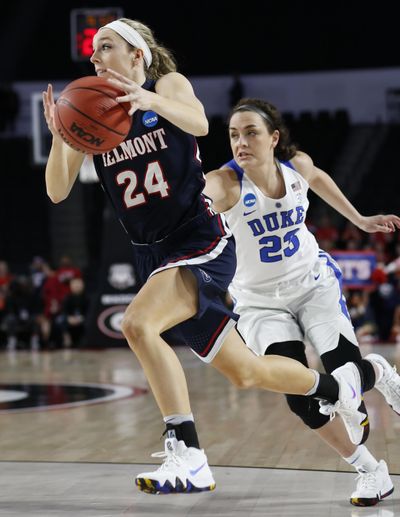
[249, 200]
[149, 118]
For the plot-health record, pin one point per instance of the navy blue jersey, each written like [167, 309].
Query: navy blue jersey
[154, 178]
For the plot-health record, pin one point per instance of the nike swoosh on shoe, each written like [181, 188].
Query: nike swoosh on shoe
[195, 471]
[353, 390]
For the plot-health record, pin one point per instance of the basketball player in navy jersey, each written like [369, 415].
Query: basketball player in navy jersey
[285, 288]
[183, 252]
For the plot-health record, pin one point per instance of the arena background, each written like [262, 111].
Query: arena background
[333, 71]
[78, 420]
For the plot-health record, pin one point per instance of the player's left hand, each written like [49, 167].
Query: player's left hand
[379, 223]
[138, 97]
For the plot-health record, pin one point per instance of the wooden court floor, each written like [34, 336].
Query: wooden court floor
[267, 462]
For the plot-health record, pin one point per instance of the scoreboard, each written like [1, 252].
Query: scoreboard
[84, 25]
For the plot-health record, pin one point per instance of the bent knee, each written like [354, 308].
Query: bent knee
[137, 328]
[242, 379]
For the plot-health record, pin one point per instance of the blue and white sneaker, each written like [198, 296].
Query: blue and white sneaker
[350, 405]
[389, 385]
[185, 469]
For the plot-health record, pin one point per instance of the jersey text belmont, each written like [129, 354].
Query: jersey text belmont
[145, 144]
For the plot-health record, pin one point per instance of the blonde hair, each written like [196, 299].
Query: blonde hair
[163, 61]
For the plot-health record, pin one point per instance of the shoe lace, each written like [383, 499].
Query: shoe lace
[171, 459]
[393, 381]
[390, 383]
[366, 481]
[330, 409]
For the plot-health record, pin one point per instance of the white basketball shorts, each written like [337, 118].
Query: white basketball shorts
[312, 310]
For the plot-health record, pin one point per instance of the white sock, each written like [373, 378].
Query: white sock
[362, 460]
[178, 419]
[314, 388]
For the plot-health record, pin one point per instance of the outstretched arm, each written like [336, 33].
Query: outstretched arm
[326, 188]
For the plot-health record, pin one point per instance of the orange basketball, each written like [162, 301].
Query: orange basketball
[88, 117]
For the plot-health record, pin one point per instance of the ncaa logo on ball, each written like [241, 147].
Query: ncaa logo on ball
[84, 135]
[150, 119]
[249, 200]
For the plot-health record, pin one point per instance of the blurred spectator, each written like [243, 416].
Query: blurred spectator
[395, 330]
[393, 267]
[20, 320]
[384, 300]
[66, 272]
[379, 276]
[326, 234]
[5, 280]
[38, 272]
[53, 294]
[382, 254]
[362, 316]
[351, 237]
[74, 312]
[351, 231]
[311, 226]
[382, 242]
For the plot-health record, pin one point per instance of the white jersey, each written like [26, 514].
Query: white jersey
[273, 244]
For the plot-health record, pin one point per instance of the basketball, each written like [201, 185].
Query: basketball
[88, 117]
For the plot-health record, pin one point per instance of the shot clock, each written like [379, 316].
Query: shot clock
[84, 25]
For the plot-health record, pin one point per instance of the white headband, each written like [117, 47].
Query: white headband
[131, 36]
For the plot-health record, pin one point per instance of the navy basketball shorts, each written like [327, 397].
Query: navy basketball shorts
[206, 247]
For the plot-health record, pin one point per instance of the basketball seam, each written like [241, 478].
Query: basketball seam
[70, 105]
[98, 91]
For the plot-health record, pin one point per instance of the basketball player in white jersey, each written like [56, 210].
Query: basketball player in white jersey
[286, 290]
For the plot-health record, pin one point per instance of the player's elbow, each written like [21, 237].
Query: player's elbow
[202, 129]
[55, 197]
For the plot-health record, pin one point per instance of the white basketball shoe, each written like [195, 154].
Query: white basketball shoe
[389, 385]
[372, 487]
[350, 405]
[185, 469]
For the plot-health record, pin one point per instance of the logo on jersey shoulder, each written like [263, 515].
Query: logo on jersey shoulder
[150, 119]
[249, 200]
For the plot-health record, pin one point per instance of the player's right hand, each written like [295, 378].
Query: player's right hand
[49, 109]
